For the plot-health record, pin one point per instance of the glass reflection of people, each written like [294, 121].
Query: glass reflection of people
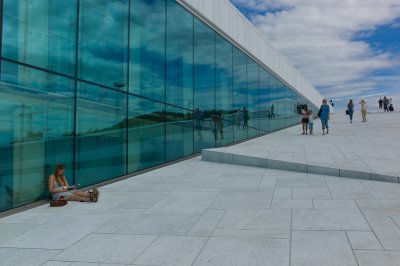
[245, 118]
[59, 188]
[238, 118]
[220, 125]
[272, 115]
[214, 126]
[198, 117]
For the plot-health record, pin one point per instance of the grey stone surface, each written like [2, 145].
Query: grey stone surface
[244, 251]
[172, 250]
[322, 170]
[207, 223]
[329, 220]
[321, 248]
[249, 199]
[25, 257]
[363, 240]
[381, 258]
[335, 204]
[107, 248]
[256, 220]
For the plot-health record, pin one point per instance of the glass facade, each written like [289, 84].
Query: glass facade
[114, 87]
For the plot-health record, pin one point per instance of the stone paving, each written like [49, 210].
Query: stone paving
[205, 213]
[360, 150]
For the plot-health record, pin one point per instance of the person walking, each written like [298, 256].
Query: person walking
[304, 120]
[324, 115]
[385, 104]
[363, 110]
[380, 102]
[350, 109]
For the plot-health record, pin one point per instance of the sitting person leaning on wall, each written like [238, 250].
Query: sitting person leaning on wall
[59, 188]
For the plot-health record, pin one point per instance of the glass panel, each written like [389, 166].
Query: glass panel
[223, 83]
[239, 93]
[252, 98]
[41, 33]
[103, 42]
[204, 88]
[280, 106]
[273, 88]
[179, 133]
[145, 134]
[101, 134]
[147, 49]
[179, 81]
[36, 129]
[266, 105]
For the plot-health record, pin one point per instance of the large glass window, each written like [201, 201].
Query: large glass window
[223, 89]
[179, 133]
[103, 42]
[147, 49]
[273, 89]
[41, 33]
[100, 134]
[36, 128]
[146, 141]
[281, 104]
[179, 79]
[239, 93]
[204, 87]
[266, 112]
[252, 99]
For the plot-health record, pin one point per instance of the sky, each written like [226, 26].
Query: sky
[348, 49]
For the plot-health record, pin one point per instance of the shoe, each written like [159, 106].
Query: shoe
[327, 132]
[303, 133]
[95, 194]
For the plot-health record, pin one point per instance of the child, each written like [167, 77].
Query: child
[310, 121]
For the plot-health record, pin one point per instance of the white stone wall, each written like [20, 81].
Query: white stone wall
[224, 17]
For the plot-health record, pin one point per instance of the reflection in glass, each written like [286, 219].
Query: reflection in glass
[266, 106]
[204, 86]
[253, 98]
[273, 92]
[145, 134]
[179, 133]
[239, 93]
[147, 49]
[41, 33]
[103, 42]
[36, 128]
[179, 79]
[101, 134]
[223, 90]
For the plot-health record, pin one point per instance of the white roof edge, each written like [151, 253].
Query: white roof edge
[224, 17]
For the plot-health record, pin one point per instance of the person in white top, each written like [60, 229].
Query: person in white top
[310, 121]
[363, 110]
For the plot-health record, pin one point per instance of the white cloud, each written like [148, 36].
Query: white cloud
[316, 36]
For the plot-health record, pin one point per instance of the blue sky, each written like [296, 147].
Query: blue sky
[346, 49]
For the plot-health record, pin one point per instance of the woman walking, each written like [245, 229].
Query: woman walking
[324, 115]
[350, 108]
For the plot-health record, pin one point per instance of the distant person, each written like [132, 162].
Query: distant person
[238, 118]
[380, 102]
[385, 104]
[324, 115]
[245, 118]
[220, 125]
[59, 188]
[198, 117]
[304, 119]
[363, 110]
[272, 115]
[350, 109]
[310, 121]
[331, 104]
